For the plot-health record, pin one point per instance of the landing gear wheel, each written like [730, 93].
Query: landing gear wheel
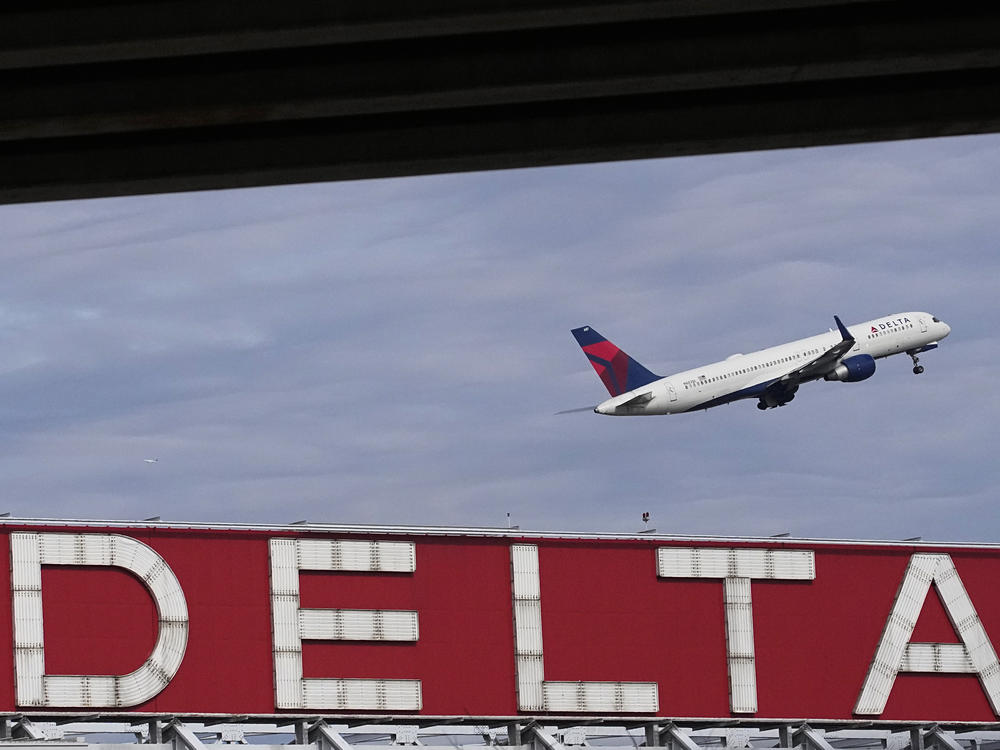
[918, 369]
[761, 405]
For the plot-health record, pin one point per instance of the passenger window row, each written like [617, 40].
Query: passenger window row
[886, 332]
[753, 368]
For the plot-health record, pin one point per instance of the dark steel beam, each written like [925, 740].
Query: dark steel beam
[54, 32]
[181, 95]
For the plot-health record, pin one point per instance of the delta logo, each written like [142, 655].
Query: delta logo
[897, 323]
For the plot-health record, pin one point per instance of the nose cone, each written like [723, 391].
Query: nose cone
[946, 328]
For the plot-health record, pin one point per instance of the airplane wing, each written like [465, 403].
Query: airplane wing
[821, 365]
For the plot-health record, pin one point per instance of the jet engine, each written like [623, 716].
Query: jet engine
[853, 369]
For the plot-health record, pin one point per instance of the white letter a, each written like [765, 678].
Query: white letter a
[895, 653]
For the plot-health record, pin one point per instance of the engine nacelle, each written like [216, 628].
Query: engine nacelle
[853, 369]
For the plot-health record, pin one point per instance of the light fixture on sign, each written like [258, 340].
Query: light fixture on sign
[737, 567]
[534, 692]
[895, 652]
[292, 625]
[29, 552]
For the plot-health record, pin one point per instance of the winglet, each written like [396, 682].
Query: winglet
[843, 330]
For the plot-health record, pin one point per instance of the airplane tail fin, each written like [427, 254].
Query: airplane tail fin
[619, 372]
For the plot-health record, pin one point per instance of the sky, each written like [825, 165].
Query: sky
[394, 351]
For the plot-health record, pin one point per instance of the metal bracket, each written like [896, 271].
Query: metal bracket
[737, 737]
[652, 735]
[406, 735]
[811, 738]
[547, 742]
[785, 732]
[514, 734]
[942, 740]
[328, 738]
[678, 739]
[231, 734]
[181, 737]
[25, 728]
[301, 732]
[152, 732]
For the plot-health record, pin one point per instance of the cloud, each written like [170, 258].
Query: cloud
[393, 351]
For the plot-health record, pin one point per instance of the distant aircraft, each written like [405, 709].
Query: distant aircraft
[770, 375]
[151, 460]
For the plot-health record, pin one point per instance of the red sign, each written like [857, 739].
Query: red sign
[272, 621]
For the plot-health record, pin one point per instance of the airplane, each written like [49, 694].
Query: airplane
[772, 376]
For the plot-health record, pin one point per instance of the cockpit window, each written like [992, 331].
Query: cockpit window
[935, 320]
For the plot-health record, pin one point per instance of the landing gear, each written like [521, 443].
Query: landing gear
[774, 397]
[917, 368]
[764, 405]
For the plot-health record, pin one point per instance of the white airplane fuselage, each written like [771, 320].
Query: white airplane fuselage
[746, 376]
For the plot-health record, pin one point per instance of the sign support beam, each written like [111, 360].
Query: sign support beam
[678, 739]
[181, 737]
[942, 740]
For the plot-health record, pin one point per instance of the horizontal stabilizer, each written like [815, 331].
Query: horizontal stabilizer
[642, 398]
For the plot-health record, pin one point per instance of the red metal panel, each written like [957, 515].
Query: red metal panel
[114, 638]
[605, 617]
